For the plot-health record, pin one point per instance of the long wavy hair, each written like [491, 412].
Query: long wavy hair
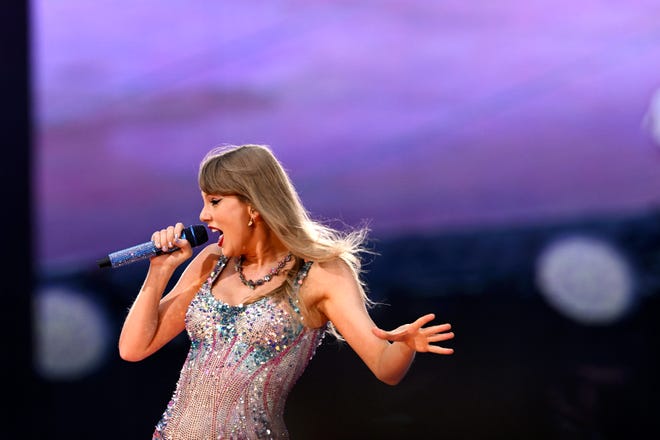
[253, 173]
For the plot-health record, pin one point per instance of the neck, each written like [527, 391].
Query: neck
[272, 273]
[267, 248]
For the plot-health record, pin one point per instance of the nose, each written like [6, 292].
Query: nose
[203, 216]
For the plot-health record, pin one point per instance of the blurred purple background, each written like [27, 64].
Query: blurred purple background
[503, 153]
[417, 116]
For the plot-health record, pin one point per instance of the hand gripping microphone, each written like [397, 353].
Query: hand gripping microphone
[195, 234]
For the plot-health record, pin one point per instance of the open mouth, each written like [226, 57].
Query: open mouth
[221, 238]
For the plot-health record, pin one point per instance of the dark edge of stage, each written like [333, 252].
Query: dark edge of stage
[15, 127]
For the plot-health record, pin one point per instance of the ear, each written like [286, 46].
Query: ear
[253, 213]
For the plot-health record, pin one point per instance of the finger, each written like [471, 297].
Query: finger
[441, 337]
[441, 328]
[178, 230]
[440, 350]
[168, 240]
[158, 238]
[420, 322]
[164, 238]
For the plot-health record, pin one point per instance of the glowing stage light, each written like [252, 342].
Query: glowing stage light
[71, 334]
[586, 279]
[651, 119]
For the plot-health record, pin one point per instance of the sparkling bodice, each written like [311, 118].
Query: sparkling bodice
[242, 363]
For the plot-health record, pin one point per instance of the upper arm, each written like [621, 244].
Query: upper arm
[344, 305]
[173, 306]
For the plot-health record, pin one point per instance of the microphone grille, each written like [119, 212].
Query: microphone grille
[196, 235]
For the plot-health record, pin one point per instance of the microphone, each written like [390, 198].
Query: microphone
[195, 234]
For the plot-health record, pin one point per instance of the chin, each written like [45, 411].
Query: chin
[227, 252]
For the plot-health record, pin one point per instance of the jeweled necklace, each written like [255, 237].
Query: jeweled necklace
[269, 276]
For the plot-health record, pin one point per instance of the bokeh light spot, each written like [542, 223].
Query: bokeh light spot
[586, 279]
[71, 334]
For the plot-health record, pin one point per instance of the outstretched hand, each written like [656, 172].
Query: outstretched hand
[418, 337]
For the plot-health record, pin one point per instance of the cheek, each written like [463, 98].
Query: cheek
[233, 239]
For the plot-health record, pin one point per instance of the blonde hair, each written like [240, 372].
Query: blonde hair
[252, 173]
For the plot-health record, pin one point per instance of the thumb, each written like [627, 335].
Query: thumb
[393, 335]
[380, 333]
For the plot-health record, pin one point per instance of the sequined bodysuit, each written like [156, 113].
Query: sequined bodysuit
[242, 363]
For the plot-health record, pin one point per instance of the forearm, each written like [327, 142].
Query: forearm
[142, 321]
[394, 362]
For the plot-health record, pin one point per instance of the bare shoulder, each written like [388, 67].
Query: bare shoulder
[331, 280]
[323, 279]
[325, 274]
[204, 262]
